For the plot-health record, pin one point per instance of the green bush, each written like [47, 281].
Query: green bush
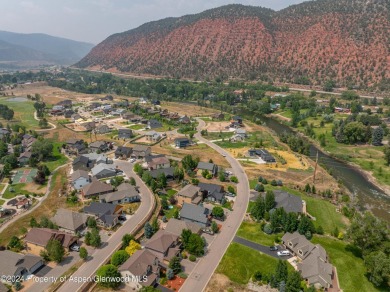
[183, 275]
[192, 258]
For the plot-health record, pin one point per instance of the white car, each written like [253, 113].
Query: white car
[75, 247]
[283, 253]
[132, 160]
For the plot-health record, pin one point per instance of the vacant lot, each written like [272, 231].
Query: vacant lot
[190, 109]
[252, 231]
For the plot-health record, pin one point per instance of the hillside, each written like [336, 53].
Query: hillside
[343, 40]
[19, 50]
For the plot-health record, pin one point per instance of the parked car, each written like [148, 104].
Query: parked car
[122, 217]
[75, 247]
[230, 194]
[208, 231]
[283, 253]
[273, 248]
[132, 160]
[224, 155]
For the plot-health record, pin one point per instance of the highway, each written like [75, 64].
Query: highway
[103, 254]
[201, 274]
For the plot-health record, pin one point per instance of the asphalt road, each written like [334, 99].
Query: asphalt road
[205, 268]
[261, 248]
[101, 255]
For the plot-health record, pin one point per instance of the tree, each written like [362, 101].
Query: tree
[189, 163]
[164, 203]
[195, 245]
[42, 149]
[218, 212]
[119, 257]
[269, 200]
[108, 276]
[126, 239]
[293, 282]
[148, 230]
[378, 267]
[258, 209]
[93, 238]
[178, 173]
[367, 232]
[185, 237]
[83, 253]
[15, 243]
[155, 225]
[281, 272]
[18, 286]
[33, 223]
[377, 136]
[132, 247]
[305, 224]
[176, 213]
[214, 227]
[116, 181]
[170, 274]
[55, 250]
[234, 179]
[259, 188]
[386, 151]
[91, 222]
[162, 180]
[175, 265]
[132, 181]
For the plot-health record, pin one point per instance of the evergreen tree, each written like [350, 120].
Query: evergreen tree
[294, 282]
[269, 200]
[281, 272]
[175, 265]
[148, 230]
[377, 136]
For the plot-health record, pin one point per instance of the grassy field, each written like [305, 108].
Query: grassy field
[24, 112]
[350, 269]
[18, 189]
[1, 202]
[58, 158]
[137, 127]
[251, 231]
[240, 263]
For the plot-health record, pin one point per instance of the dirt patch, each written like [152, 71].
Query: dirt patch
[188, 109]
[34, 188]
[175, 284]
[222, 126]
[221, 283]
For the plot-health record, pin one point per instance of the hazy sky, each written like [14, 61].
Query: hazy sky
[94, 20]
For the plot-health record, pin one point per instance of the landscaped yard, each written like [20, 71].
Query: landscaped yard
[171, 192]
[251, 231]
[57, 158]
[240, 263]
[350, 269]
[18, 189]
[169, 213]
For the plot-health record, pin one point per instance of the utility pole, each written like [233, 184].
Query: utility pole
[315, 169]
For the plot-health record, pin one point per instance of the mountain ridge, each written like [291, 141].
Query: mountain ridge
[314, 41]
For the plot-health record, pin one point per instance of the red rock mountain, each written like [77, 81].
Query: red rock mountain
[343, 40]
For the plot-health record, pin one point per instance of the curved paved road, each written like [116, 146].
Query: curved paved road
[101, 255]
[205, 268]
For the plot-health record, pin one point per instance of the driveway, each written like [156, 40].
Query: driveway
[262, 248]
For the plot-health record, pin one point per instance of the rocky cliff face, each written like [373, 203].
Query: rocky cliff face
[343, 40]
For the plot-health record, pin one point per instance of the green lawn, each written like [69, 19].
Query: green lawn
[350, 269]
[251, 231]
[218, 135]
[171, 192]
[137, 127]
[2, 202]
[17, 191]
[240, 263]
[57, 158]
[169, 213]
[24, 112]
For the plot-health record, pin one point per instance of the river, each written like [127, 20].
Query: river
[369, 195]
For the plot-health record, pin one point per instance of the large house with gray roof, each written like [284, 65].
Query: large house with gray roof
[38, 238]
[106, 214]
[176, 227]
[126, 193]
[96, 188]
[14, 264]
[80, 178]
[70, 221]
[290, 203]
[103, 170]
[195, 214]
[314, 265]
[211, 167]
[164, 245]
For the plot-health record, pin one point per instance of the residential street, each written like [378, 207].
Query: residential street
[203, 271]
[101, 255]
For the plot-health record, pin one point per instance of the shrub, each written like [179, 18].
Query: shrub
[267, 228]
[192, 258]
[184, 255]
[234, 179]
[274, 183]
[257, 276]
[259, 188]
[183, 275]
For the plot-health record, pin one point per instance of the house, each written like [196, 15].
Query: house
[182, 142]
[189, 194]
[80, 178]
[14, 265]
[136, 119]
[153, 136]
[37, 239]
[107, 98]
[75, 117]
[237, 138]
[94, 105]
[314, 265]
[126, 193]
[212, 192]
[102, 129]
[156, 102]
[211, 167]
[125, 133]
[237, 119]
[168, 172]
[68, 114]
[82, 162]
[57, 108]
[106, 214]
[176, 227]
[67, 103]
[24, 158]
[164, 113]
[218, 116]
[69, 221]
[97, 158]
[263, 154]
[164, 245]
[75, 146]
[159, 162]
[143, 100]
[99, 146]
[154, 124]
[241, 132]
[141, 151]
[27, 142]
[127, 115]
[290, 203]
[195, 214]
[103, 170]
[123, 152]
[143, 265]
[185, 120]
[96, 188]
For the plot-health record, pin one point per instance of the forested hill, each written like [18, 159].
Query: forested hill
[343, 40]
